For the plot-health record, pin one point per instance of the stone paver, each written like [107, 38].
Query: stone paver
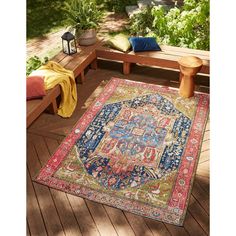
[41, 46]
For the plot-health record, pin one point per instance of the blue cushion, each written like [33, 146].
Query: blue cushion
[140, 44]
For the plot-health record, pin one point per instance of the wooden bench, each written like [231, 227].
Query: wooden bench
[167, 58]
[77, 63]
[36, 106]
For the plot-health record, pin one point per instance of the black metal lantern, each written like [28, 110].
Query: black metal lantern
[68, 43]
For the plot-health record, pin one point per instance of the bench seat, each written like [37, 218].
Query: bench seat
[36, 106]
[167, 58]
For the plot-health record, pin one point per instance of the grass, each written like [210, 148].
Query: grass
[44, 17]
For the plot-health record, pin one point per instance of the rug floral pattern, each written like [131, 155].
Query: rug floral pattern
[135, 148]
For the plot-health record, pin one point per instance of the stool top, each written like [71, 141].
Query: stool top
[190, 61]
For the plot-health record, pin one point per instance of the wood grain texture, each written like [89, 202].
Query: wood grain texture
[199, 214]
[101, 218]
[157, 228]
[138, 224]
[119, 221]
[176, 230]
[36, 106]
[27, 230]
[83, 216]
[192, 226]
[34, 216]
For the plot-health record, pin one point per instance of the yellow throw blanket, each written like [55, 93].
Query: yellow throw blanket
[55, 74]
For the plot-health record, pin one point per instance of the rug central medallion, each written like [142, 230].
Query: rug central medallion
[140, 140]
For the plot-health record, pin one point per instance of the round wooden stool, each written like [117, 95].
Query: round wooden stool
[189, 67]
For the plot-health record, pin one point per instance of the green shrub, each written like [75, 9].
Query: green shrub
[82, 14]
[141, 24]
[33, 63]
[184, 27]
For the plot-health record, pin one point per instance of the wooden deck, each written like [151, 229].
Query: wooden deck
[52, 212]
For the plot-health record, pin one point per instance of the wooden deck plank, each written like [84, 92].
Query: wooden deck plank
[48, 209]
[62, 204]
[47, 134]
[83, 216]
[27, 230]
[101, 218]
[67, 217]
[34, 217]
[59, 57]
[168, 55]
[50, 215]
[206, 135]
[157, 228]
[176, 230]
[203, 182]
[207, 125]
[204, 156]
[181, 53]
[199, 214]
[33, 163]
[205, 145]
[186, 50]
[203, 169]
[41, 149]
[66, 60]
[201, 196]
[138, 224]
[192, 226]
[119, 221]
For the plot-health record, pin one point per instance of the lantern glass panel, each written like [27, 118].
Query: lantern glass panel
[65, 47]
[72, 46]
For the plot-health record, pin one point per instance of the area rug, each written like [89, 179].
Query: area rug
[136, 148]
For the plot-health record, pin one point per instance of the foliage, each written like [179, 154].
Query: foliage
[82, 14]
[116, 5]
[185, 27]
[44, 16]
[141, 23]
[33, 63]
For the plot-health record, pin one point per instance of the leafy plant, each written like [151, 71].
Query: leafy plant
[33, 63]
[82, 14]
[185, 27]
[141, 23]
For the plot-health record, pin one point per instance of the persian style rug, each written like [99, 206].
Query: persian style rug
[135, 148]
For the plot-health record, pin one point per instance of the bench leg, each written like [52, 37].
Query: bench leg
[94, 65]
[126, 68]
[52, 108]
[82, 77]
[180, 76]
